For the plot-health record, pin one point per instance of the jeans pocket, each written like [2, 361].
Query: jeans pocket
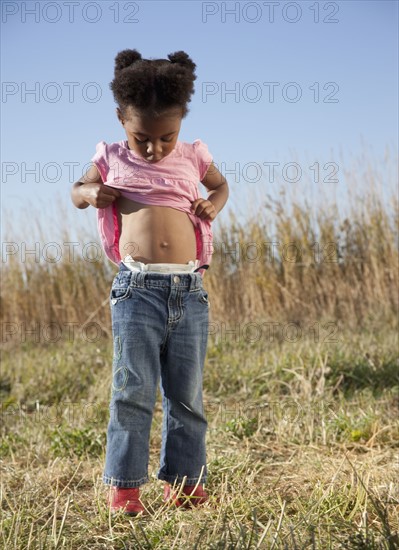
[121, 289]
[203, 297]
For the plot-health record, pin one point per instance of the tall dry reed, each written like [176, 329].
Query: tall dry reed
[289, 260]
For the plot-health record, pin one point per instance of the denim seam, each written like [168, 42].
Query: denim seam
[179, 479]
[165, 339]
[180, 304]
[141, 481]
[167, 428]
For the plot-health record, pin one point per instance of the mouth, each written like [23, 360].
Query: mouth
[153, 159]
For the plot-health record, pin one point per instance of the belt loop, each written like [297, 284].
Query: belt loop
[192, 284]
[138, 279]
[195, 282]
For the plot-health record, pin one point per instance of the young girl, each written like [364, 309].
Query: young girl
[157, 228]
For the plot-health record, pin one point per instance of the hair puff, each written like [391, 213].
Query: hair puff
[153, 86]
[182, 58]
[125, 59]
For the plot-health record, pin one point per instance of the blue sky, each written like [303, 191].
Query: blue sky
[336, 86]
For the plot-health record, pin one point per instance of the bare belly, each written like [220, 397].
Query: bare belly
[155, 234]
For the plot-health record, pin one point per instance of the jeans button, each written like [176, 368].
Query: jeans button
[176, 279]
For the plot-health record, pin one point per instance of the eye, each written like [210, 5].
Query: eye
[145, 140]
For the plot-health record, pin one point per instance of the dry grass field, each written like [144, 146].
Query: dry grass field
[301, 387]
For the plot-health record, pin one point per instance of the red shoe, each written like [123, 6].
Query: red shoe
[126, 499]
[189, 496]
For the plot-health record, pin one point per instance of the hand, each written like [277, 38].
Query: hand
[204, 209]
[98, 194]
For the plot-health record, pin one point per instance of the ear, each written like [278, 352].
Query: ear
[119, 115]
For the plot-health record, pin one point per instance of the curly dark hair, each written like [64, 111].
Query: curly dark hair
[153, 86]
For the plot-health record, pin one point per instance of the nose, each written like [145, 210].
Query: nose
[154, 148]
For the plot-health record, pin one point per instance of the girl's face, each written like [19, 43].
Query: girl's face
[151, 138]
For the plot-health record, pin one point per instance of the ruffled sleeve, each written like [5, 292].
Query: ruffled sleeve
[203, 157]
[101, 160]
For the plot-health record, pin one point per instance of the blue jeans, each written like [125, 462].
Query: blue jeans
[160, 332]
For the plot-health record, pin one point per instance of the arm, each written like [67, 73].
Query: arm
[218, 192]
[90, 190]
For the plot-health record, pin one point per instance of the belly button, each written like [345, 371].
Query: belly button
[164, 244]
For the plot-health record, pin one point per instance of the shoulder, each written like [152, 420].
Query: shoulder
[198, 155]
[103, 145]
[104, 157]
[198, 150]
[104, 149]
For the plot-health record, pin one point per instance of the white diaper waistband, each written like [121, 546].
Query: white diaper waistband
[160, 268]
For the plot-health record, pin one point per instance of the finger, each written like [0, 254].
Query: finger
[195, 204]
[207, 212]
[111, 191]
[106, 202]
[205, 208]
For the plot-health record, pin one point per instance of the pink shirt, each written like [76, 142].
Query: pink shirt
[172, 181]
